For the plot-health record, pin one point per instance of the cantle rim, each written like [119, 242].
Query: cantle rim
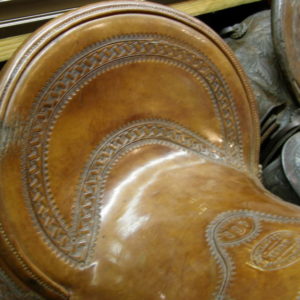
[14, 69]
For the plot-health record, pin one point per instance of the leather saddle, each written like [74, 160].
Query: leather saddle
[129, 166]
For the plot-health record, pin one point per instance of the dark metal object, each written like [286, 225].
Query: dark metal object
[291, 161]
[275, 180]
[276, 141]
[286, 36]
[282, 176]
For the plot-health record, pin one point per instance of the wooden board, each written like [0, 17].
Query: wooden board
[192, 7]
[199, 7]
[9, 45]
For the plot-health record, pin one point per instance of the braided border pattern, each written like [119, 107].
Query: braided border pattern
[59, 91]
[225, 264]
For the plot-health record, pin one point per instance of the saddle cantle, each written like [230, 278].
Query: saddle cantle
[129, 163]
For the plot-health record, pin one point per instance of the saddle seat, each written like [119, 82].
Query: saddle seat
[129, 166]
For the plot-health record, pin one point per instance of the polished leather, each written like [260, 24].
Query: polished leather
[129, 166]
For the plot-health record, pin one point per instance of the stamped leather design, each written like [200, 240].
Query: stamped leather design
[277, 250]
[129, 163]
[75, 240]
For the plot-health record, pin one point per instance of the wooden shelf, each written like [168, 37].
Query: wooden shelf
[200, 7]
[192, 7]
[9, 45]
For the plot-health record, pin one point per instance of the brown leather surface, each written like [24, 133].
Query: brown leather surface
[129, 165]
[286, 35]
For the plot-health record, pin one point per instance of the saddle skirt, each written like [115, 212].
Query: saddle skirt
[129, 166]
